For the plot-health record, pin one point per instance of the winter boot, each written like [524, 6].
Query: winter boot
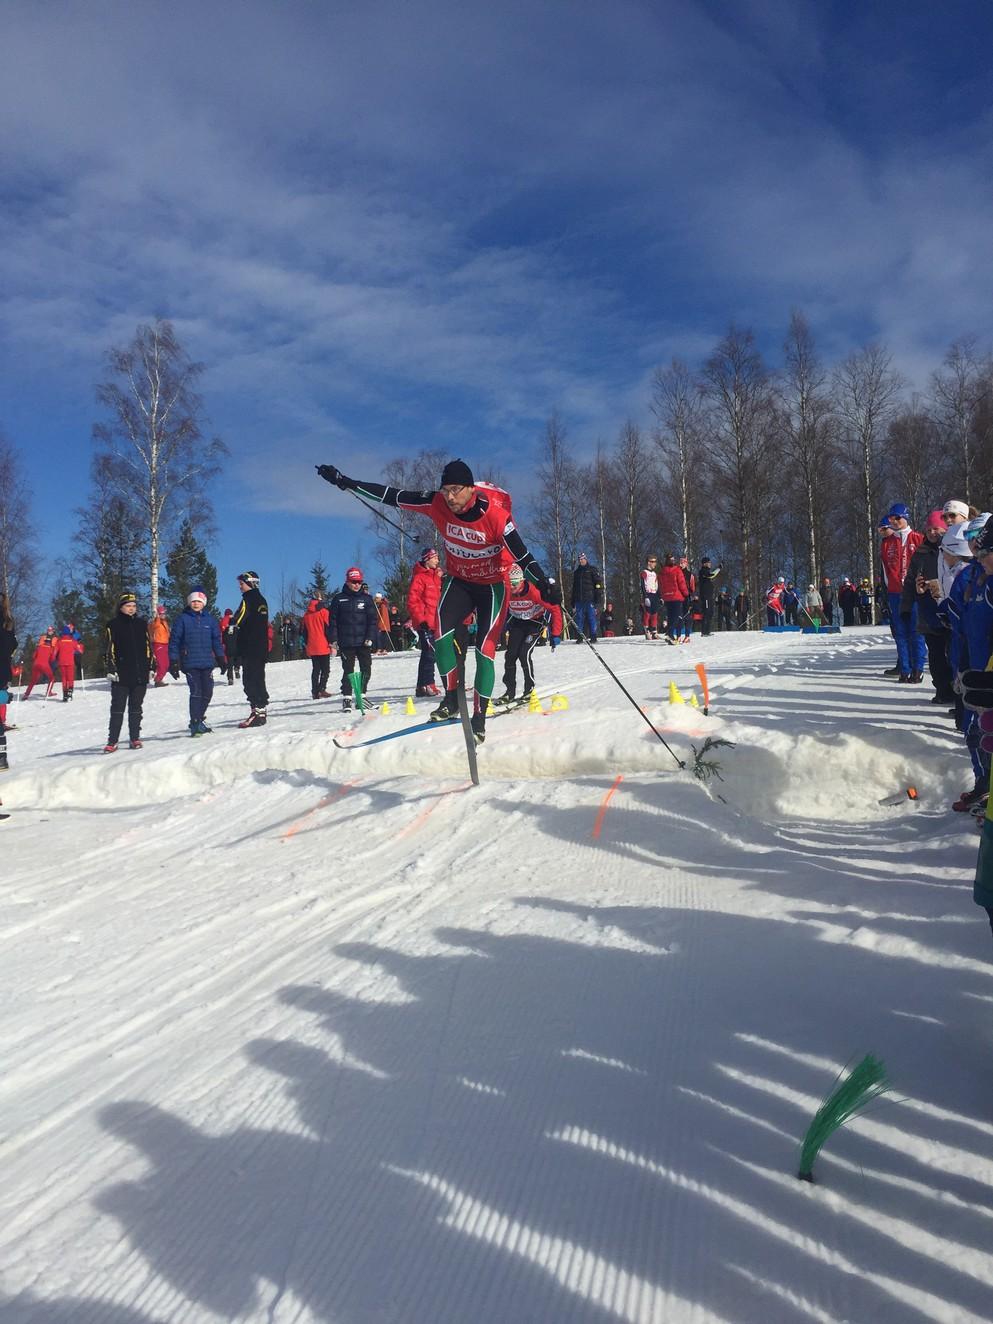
[904, 678]
[346, 704]
[892, 671]
[447, 710]
[478, 724]
[969, 798]
[4, 765]
[916, 677]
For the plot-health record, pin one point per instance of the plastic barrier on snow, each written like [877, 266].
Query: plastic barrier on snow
[822, 629]
[782, 629]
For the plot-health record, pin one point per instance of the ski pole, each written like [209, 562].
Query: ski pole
[616, 679]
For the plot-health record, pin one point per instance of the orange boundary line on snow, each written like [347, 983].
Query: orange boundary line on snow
[321, 804]
[603, 805]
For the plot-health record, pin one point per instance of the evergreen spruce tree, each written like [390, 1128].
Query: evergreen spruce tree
[319, 587]
[187, 567]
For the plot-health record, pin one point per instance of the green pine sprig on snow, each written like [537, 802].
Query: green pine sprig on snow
[864, 1083]
[705, 768]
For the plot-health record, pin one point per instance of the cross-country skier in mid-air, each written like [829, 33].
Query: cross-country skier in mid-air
[481, 540]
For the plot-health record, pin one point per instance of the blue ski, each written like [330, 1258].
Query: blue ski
[392, 735]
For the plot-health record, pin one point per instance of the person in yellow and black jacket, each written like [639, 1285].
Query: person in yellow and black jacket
[250, 644]
[129, 660]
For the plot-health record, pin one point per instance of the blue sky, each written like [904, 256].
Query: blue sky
[392, 225]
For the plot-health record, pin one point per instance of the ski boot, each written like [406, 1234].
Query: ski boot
[447, 710]
[257, 717]
[134, 744]
[506, 700]
[4, 765]
[109, 748]
[478, 724]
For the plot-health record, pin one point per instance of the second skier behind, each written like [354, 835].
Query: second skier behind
[526, 614]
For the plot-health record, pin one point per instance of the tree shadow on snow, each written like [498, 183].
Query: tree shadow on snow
[571, 1128]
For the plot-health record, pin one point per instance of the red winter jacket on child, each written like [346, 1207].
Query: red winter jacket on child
[672, 584]
[423, 596]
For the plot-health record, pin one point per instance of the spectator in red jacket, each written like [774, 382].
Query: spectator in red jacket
[895, 555]
[41, 663]
[674, 591]
[66, 651]
[423, 597]
[314, 628]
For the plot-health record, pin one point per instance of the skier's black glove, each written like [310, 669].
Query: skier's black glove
[539, 579]
[174, 671]
[332, 475]
[977, 689]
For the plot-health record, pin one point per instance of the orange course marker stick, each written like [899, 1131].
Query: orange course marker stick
[598, 825]
[701, 671]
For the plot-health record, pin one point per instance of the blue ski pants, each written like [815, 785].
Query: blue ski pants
[911, 650]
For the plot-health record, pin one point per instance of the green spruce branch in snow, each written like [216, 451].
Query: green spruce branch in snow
[850, 1096]
[703, 767]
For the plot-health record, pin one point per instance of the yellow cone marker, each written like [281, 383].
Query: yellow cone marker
[559, 703]
[490, 710]
[534, 703]
[410, 710]
[385, 710]
[693, 701]
[674, 694]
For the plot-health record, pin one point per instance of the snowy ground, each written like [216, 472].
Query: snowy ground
[296, 1034]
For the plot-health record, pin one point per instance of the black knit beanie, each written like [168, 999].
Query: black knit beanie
[457, 473]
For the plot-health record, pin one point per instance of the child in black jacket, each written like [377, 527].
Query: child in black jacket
[352, 626]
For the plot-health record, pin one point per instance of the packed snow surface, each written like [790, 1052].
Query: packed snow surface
[297, 1033]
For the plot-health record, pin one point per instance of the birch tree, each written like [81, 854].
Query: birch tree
[866, 389]
[959, 390]
[554, 508]
[18, 541]
[676, 406]
[739, 418]
[152, 445]
[807, 420]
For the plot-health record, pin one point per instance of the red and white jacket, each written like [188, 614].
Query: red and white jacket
[895, 555]
[526, 604]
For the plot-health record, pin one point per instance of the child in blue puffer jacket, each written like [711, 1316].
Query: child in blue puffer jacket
[195, 647]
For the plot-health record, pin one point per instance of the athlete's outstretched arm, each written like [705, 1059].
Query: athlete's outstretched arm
[383, 495]
[514, 544]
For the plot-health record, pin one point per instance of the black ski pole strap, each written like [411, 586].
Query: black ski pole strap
[627, 694]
